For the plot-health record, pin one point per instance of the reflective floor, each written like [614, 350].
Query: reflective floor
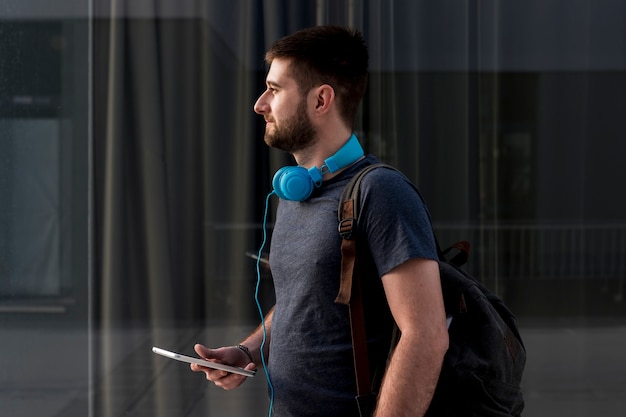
[573, 370]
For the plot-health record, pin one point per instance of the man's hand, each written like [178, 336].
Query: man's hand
[230, 355]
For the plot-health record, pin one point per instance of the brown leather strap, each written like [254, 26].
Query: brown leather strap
[359, 340]
[348, 252]
[350, 294]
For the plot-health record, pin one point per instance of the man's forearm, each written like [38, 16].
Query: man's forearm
[411, 377]
[255, 339]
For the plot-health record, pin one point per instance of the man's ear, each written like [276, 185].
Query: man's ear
[325, 98]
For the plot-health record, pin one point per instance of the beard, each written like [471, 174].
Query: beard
[295, 134]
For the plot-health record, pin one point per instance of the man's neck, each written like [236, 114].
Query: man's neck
[323, 148]
[316, 156]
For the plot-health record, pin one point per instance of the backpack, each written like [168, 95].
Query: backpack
[482, 369]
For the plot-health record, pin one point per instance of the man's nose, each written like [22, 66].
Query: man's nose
[261, 105]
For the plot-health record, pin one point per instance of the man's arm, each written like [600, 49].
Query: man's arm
[255, 339]
[233, 355]
[413, 291]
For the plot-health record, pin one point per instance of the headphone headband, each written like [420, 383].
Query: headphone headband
[296, 183]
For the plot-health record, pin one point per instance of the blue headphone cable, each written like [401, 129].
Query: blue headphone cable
[258, 304]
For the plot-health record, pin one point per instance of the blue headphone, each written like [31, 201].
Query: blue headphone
[296, 183]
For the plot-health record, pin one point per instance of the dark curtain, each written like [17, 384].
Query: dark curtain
[177, 147]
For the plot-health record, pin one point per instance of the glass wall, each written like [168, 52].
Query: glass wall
[133, 178]
[45, 164]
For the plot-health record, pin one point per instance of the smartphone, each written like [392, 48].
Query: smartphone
[203, 362]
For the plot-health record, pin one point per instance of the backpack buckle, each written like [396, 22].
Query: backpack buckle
[346, 227]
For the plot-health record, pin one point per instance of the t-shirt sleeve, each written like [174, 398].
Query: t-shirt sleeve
[394, 220]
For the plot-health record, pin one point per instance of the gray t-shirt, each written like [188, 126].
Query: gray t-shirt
[311, 365]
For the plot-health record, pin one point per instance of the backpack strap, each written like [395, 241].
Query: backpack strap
[350, 292]
[347, 214]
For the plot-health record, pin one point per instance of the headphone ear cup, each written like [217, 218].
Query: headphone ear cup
[293, 183]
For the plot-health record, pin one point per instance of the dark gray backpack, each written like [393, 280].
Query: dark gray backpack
[483, 366]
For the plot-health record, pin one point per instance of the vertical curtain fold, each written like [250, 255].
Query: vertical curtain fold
[174, 153]
[136, 191]
[176, 165]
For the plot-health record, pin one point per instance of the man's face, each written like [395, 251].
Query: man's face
[284, 108]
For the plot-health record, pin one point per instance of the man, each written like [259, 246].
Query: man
[316, 80]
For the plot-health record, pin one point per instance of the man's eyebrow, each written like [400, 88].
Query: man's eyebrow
[271, 83]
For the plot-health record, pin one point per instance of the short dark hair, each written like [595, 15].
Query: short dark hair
[331, 55]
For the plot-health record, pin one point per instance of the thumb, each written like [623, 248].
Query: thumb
[206, 353]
